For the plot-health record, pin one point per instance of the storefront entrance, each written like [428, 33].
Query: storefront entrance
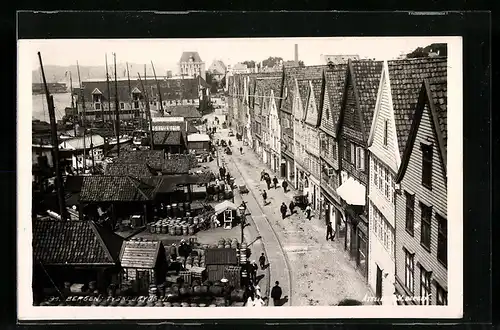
[378, 286]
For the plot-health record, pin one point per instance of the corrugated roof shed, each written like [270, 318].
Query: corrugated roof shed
[140, 254]
[222, 256]
[406, 77]
[74, 243]
[367, 78]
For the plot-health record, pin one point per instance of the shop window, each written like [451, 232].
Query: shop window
[442, 247]
[425, 232]
[441, 296]
[122, 105]
[427, 165]
[410, 212]
[409, 270]
[425, 286]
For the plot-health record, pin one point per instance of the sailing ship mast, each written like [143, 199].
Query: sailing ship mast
[116, 111]
[72, 109]
[158, 88]
[110, 118]
[83, 120]
[129, 87]
[55, 145]
[148, 112]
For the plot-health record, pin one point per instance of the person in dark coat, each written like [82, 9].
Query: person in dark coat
[262, 261]
[283, 210]
[268, 181]
[292, 207]
[308, 211]
[285, 186]
[276, 293]
[228, 178]
[329, 231]
[262, 175]
[241, 150]
[264, 196]
[255, 268]
[229, 143]
[275, 181]
[222, 172]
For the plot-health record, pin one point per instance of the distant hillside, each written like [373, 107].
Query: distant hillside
[56, 73]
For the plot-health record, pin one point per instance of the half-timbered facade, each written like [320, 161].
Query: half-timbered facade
[421, 204]
[363, 78]
[399, 88]
[287, 124]
[301, 179]
[335, 78]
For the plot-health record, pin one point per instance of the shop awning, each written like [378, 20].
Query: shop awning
[221, 207]
[352, 192]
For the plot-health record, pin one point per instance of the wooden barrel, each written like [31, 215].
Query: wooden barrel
[171, 229]
[184, 304]
[212, 305]
[178, 230]
[169, 210]
[187, 206]
[159, 304]
[188, 214]
[227, 246]
[175, 210]
[193, 305]
[164, 228]
[202, 305]
[185, 230]
[191, 230]
[158, 228]
[167, 304]
[221, 241]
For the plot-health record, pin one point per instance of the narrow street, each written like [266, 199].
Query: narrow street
[319, 271]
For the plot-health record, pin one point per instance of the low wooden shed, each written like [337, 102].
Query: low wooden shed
[217, 260]
[144, 263]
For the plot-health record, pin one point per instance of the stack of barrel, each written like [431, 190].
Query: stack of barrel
[233, 274]
[197, 260]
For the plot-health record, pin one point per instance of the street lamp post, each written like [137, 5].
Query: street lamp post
[242, 211]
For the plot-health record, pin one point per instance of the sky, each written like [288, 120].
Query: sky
[166, 52]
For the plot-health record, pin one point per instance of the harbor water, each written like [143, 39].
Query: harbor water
[40, 111]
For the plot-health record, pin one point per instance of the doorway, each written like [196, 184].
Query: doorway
[378, 286]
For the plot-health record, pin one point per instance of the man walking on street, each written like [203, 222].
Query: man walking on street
[254, 272]
[275, 181]
[241, 152]
[264, 197]
[285, 186]
[262, 175]
[276, 293]
[329, 231]
[308, 211]
[268, 181]
[291, 206]
[262, 261]
[283, 210]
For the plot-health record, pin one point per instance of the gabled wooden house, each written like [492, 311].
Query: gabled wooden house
[421, 204]
[75, 252]
[287, 124]
[258, 99]
[335, 79]
[399, 89]
[363, 78]
[275, 94]
[312, 137]
[144, 263]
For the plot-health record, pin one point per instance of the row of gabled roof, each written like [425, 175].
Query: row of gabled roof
[406, 78]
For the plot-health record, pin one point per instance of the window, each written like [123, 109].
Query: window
[122, 105]
[385, 132]
[441, 296]
[410, 212]
[375, 172]
[353, 153]
[427, 165]
[442, 247]
[425, 232]
[98, 106]
[409, 269]
[425, 286]
[360, 159]
[327, 114]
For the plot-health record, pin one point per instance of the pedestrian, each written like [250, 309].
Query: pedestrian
[262, 174]
[241, 153]
[230, 143]
[276, 293]
[264, 197]
[329, 231]
[283, 210]
[308, 211]
[275, 181]
[285, 186]
[254, 272]
[228, 178]
[262, 261]
[222, 172]
[291, 206]
[268, 181]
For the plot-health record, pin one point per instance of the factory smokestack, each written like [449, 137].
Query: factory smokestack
[296, 55]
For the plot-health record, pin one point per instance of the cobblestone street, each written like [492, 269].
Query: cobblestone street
[321, 272]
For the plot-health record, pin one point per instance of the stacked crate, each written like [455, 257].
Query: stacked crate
[233, 274]
[186, 275]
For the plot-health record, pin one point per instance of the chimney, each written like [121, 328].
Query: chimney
[296, 55]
